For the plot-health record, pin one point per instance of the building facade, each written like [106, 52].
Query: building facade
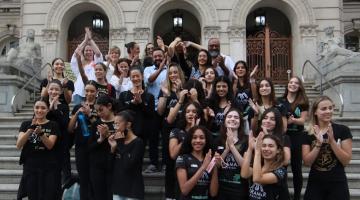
[295, 27]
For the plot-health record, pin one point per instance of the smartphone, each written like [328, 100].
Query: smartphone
[220, 149]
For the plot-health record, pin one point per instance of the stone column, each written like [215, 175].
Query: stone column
[306, 50]
[50, 37]
[142, 37]
[210, 32]
[117, 38]
[237, 39]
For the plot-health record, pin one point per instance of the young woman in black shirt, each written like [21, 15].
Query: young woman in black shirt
[266, 99]
[138, 100]
[268, 174]
[58, 67]
[100, 156]
[297, 106]
[128, 150]
[327, 149]
[81, 140]
[232, 146]
[195, 179]
[220, 102]
[41, 171]
[191, 116]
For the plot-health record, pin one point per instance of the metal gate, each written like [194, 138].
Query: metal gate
[101, 42]
[272, 53]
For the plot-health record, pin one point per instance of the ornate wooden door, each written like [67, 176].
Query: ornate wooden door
[272, 53]
[101, 42]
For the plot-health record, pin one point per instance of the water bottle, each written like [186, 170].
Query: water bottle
[83, 125]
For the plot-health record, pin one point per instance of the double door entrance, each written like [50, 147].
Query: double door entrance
[272, 53]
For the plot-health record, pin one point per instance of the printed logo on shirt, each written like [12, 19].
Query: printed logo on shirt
[326, 160]
[219, 118]
[194, 166]
[257, 192]
[242, 98]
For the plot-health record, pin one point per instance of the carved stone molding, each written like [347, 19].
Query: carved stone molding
[356, 23]
[211, 32]
[142, 33]
[308, 30]
[236, 32]
[50, 34]
[118, 34]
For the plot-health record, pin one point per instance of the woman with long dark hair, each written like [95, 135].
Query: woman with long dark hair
[39, 156]
[201, 64]
[266, 100]
[100, 156]
[196, 180]
[268, 173]
[83, 113]
[327, 149]
[220, 102]
[190, 117]
[232, 146]
[128, 150]
[297, 106]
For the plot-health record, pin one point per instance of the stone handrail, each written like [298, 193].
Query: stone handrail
[321, 84]
[14, 104]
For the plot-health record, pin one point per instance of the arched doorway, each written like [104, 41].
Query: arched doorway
[100, 34]
[268, 43]
[190, 31]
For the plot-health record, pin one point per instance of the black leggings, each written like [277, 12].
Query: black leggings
[327, 190]
[82, 166]
[101, 182]
[296, 162]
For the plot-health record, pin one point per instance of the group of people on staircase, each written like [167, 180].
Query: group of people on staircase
[224, 134]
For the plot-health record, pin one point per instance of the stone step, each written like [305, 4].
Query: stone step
[16, 120]
[354, 193]
[348, 121]
[8, 139]
[9, 192]
[9, 129]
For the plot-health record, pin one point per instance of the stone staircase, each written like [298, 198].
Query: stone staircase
[10, 170]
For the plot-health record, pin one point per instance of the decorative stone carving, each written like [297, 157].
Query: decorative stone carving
[356, 23]
[50, 34]
[331, 48]
[118, 34]
[211, 32]
[308, 30]
[27, 57]
[142, 33]
[236, 32]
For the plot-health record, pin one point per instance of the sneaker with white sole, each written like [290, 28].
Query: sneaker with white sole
[151, 169]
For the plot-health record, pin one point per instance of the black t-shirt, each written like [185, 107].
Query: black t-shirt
[171, 102]
[99, 153]
[128, 180]
[327, 166]
[178, 134]
[191, 165]
[296, 113]
[69, 86]
[79, 138]
[241, 98]
[230, 181]
[107, 89]
[218, 120]
[276, 191]
[34, 153]
[143, 112]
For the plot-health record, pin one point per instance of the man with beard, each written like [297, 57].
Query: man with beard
[224, 64]
[153, 77]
